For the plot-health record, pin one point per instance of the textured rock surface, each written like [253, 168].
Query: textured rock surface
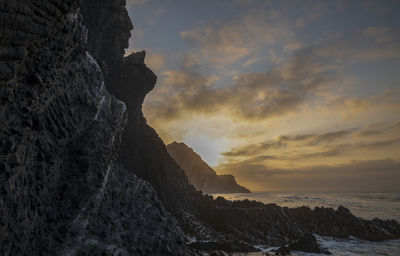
[308, 243]
[142, 150]
[61, 189]
[257, 222]
[200, 174]
[109, 29]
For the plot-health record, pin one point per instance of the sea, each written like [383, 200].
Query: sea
[362, 204]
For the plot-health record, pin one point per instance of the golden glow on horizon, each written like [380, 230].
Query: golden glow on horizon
[255, 99]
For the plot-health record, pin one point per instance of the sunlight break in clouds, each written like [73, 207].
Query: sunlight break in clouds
[288, 97]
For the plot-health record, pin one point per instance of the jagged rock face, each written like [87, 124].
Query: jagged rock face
[61, 189]
[275, 225]
[129, 79]
[109, 29]
[125, 218]
[308, 243]
[200, 174]
[142, 150]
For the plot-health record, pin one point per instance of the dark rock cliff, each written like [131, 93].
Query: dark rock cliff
[62, 191]
[129, 79]
[200, 174]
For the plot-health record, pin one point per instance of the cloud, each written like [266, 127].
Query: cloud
[368, 44]
[284, 141]
[224, 43]
[380, 129]
[250, 62]
[252, 96]
[350, 107]
[318, 145]
[284, 89]
[298, 105]
[244, 2]
[262, 158]
[313, 139]
[137, 2]
[371, 175]
[306, 19]
[251, 150]
[182, 91]
[155, 60]
[293, 46]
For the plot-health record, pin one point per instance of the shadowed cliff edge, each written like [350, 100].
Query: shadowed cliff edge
[63, 190]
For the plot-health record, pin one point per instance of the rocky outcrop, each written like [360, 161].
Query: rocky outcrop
[275, 225]
[308, 243]
[62, 191]
[200, 174]
[142, 150]
[109, 29]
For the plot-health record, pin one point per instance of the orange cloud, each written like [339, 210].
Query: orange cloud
[370, 175]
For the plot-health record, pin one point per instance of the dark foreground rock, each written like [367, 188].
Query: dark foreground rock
[200, 174]
[62, 191]
[218, 253]
[226, 246]
[307, 243]
[275, 225]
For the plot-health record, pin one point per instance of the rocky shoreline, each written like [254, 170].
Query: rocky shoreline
[81, 172]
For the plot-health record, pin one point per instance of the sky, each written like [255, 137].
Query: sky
[285, 95]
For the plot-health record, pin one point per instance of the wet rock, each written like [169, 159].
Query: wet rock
[218, 253]
[308, 243]
[226, 246]
[282, 251]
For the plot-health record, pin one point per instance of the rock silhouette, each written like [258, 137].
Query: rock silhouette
[200, 174]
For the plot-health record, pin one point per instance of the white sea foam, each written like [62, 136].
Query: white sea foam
[356, 247]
